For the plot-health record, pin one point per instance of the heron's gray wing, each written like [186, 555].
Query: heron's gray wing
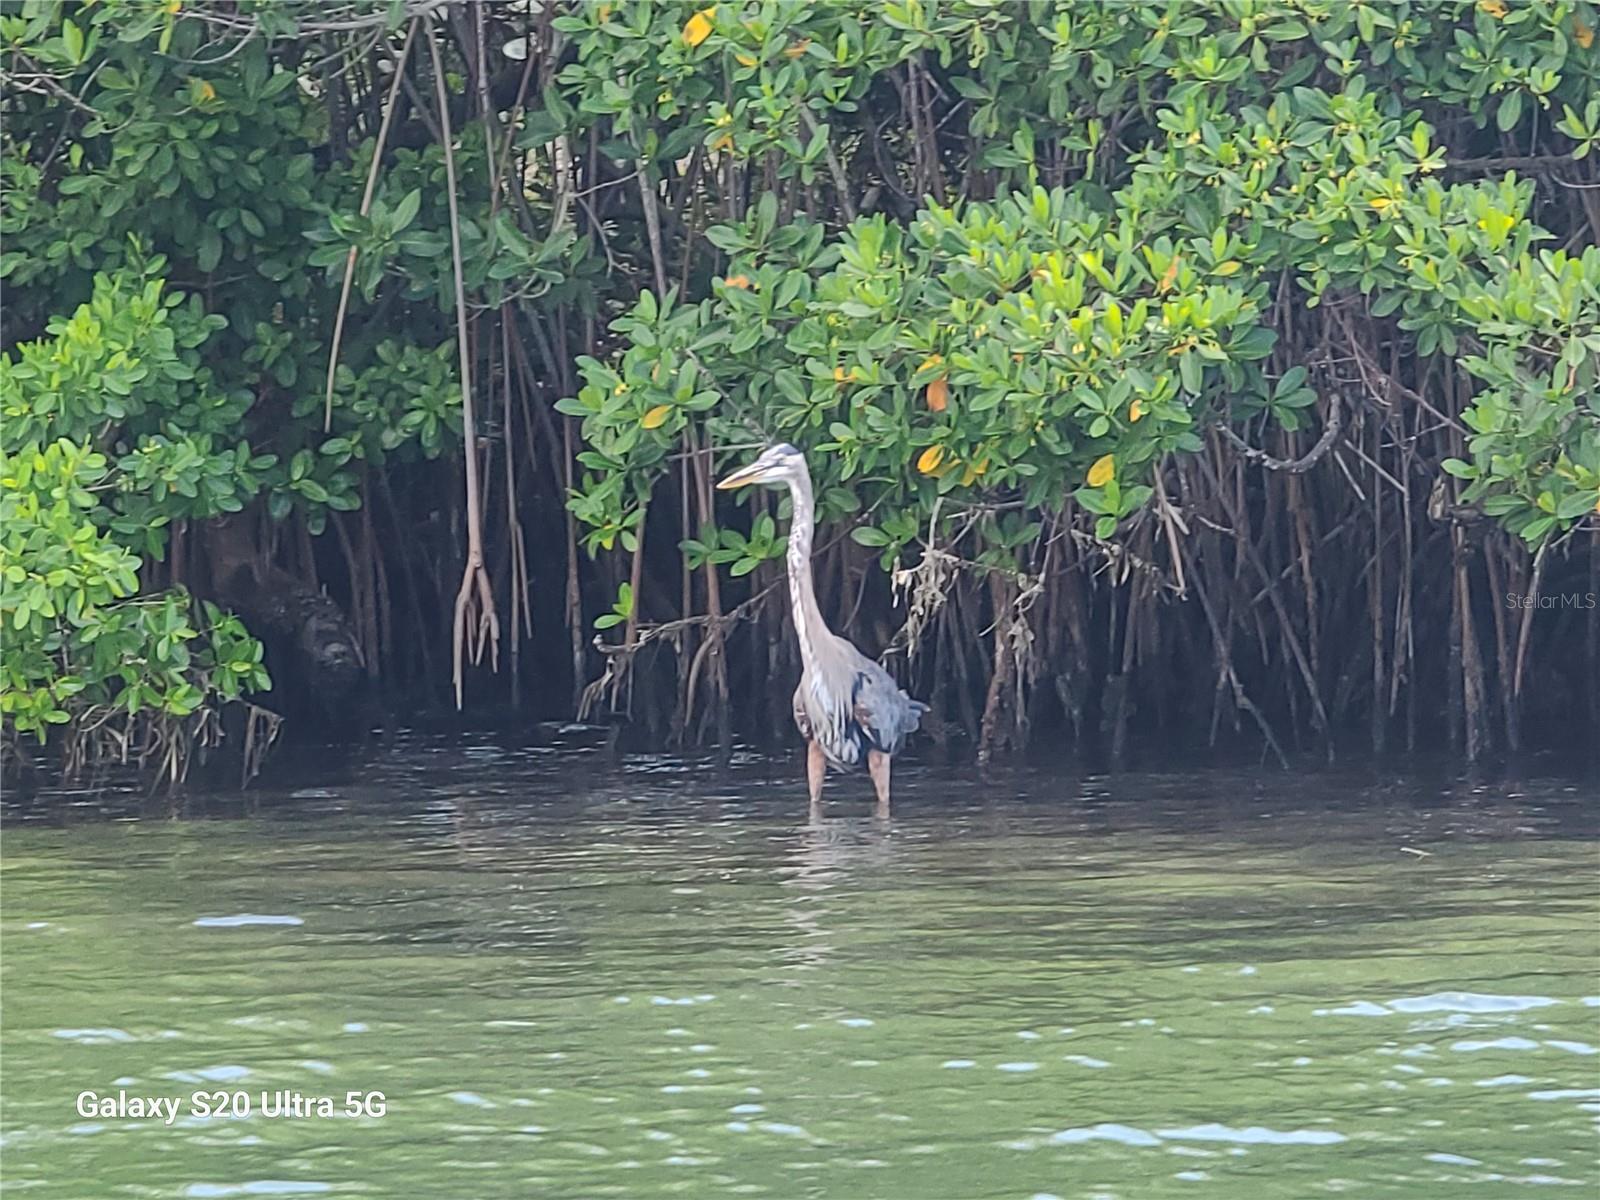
[884, 713]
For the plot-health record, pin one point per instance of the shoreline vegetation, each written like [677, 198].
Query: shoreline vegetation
[1221, 373]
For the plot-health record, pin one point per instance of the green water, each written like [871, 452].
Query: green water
[573, 979]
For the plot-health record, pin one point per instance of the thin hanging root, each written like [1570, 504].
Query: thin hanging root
[163, 747]
[711, 645]
[927, 586]
[1172, 524]
[366, 207]
[1519, 671]
[700, 470]
[474, 576]
[619, 659]
[260, 731]
[1014, 666]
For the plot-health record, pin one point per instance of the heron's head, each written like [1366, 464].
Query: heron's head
[776, 465]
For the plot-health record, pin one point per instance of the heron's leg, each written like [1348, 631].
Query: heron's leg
[878, 768]
[816, 771]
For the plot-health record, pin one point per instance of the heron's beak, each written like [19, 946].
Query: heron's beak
[750, 473]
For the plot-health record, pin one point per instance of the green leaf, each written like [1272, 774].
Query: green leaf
[1510, 110]
[208, 252]
[1576, 504]
[1535, 530]
[72, 36]
[406, 211]
[1189, 372]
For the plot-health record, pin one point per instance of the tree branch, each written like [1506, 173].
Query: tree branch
[1293, 466]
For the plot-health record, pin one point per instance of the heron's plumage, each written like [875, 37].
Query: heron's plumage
[848, 708]
[883, 712]
[846, 703]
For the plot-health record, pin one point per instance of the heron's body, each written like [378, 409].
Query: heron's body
[873, 715]
[849, 710]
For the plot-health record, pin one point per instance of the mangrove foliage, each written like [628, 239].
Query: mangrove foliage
[1201, 371]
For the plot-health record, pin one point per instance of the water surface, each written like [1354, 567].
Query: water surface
[571, 978]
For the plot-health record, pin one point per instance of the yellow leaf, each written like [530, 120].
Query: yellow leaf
[1495, 8]
[933, 360]
[1380, 202]
[744, 60]
[928, 462]
[605, 12]
[657, 416]
[938, 395]
[1497, 224]
[1168, 276]
[799, 48]
[698, 27]
[205, 91]
[1226, 268]
[1136, 410]
[1582, 33]
[737, 281]
[725, 142]
[1104, 468]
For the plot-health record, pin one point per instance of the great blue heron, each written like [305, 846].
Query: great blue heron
[848, 708]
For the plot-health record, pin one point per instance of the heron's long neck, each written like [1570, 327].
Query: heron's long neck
[808, 621]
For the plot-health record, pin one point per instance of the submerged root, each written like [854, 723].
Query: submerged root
[161, 747]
